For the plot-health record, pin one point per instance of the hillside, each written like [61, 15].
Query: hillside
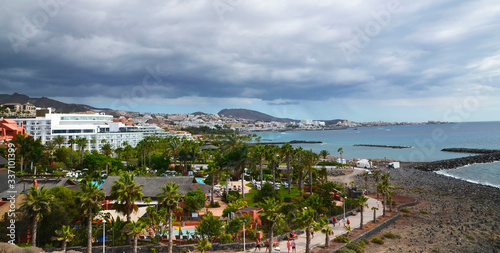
[45, 102]
[252, 115]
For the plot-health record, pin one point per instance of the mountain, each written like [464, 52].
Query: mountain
[45, 102]
[252, 115]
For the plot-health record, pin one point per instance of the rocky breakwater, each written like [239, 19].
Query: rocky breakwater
[459, 162]
[470, 150]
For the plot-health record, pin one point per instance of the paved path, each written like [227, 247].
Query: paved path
[319, 238]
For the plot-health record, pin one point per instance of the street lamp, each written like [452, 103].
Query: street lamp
[244, 244]
[345, 198]
[103, 236]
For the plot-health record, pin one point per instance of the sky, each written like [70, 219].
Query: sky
[392, 60]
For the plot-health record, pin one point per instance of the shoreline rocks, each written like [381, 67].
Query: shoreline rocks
[470, 150]
[458, 162]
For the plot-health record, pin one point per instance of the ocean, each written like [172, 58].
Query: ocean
[426, 142]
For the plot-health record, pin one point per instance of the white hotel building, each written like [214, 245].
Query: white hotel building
[94, 127]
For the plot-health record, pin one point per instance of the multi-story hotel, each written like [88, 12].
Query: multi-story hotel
[96, 128]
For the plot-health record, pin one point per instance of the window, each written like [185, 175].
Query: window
[74, 131]
[59, 131]
[88, 130]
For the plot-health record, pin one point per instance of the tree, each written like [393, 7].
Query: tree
[374, 214]
[273, 158]
[366, 175]
[125, 191]
[21, 141]
[309, 160]
[134, 229]
[71, 142]
[65, 234]
[203, 245]
[210, 227]
[376, 176]
[195, 200]
[90, 201]
[305, 220]
[272, 215]
[382, 188]
[36, 203]
[50, 147]
[361, 201]
[324, 153]
[214, 170]
[82, 144]
[170, 199]
[341, 152]
[238, 159]
[323, 225]
[287, 150]
[59, 141]
[315, 202]
[267, 191]
[259, 153]
[106, 149]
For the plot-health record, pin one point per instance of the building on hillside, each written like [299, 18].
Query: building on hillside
[19, 110]
[98, 129]
[9, 129]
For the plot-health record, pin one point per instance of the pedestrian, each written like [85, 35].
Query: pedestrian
[257, 246]
[334, 221]
[268, 246]
[348, 222]
[312, 234]
[288, 245]
[294, 249]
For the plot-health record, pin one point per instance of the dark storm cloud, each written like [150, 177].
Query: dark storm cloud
[281, 52]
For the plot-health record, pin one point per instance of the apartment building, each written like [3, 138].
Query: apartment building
[96, 128]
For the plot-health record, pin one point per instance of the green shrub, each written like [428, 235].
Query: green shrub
[357, 246]
[152, 250]
[405, 210]
[424, 212]
[341, 239]
[225, 238]
[287, 199]
[377, 240]
[215, 204]
[345, 250]
[470, 237]
[391, 235]
[184, 251]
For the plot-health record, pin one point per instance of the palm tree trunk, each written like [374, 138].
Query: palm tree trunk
[170, 231]
[374, 215]
[22, 162]
[289, 173]
[89, 233]
[383, 206]
[271, 240]
[310, 182]
[361, 225]
[64, 246]
[212, 195]
[135, 244]
[327, 240]
[34, 227]
[301, 181]
[308, 239]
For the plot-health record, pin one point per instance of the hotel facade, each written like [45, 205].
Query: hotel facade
[98, 129]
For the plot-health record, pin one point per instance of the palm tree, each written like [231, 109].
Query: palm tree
[65, 234]
[239, 159]
[90, 200]
[203, 245]
[305, 219]
[59, 141]
[36, 202]
[82, 144]
[134, 229]
[170, 199]
[341, 151]
[271, 213]
[374, 214]
[214, 170]
[71, 142]
[376, 176]
[324, 153]
[125, 191]
[382, 188]
[366, 175]
[310, 159]
[287, 150]
[323, 225]
[259, 153]
[273, 158]
[106, 149]
[361, 201]
[22, 146]
[50, 146]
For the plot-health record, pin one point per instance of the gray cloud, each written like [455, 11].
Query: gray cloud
[285, 51]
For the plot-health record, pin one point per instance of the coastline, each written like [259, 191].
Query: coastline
[453, 215]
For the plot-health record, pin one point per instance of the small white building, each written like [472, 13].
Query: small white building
[363, 163]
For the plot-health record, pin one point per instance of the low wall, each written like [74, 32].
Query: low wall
[380, 227]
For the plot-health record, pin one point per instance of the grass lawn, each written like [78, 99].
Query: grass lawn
[283, 192]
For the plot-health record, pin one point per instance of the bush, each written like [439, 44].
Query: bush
[345, 250]
[391, 235]
[377, 240]
[225, 238]
[405, 210]
[341, 239]
[357, 246]
[287, 199]
[215, 204]
[152, 250]
[424, 212]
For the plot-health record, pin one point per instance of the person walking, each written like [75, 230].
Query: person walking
[257, 246]
[348, 222]
[334, 220]
[294, 248]
[288, 245]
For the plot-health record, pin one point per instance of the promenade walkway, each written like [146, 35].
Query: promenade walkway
[319, 238]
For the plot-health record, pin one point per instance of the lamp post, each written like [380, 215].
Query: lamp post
[244, 244]
[103, 236]
[345, 198]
